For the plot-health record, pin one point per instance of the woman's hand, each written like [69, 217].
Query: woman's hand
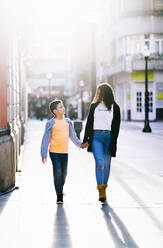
[44, 160]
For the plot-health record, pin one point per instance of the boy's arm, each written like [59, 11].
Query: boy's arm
[72, 135]
[45, 141]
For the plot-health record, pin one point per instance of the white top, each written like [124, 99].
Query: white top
[103, 117]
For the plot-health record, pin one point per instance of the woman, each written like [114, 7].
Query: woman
[101, 133]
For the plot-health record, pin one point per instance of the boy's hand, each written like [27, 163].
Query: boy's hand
[84, 145]
[44, 160]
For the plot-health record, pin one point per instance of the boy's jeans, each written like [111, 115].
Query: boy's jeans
[100, 148]
[59, 161]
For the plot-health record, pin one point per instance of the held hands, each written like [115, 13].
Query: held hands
[84, 145]
[44, 160]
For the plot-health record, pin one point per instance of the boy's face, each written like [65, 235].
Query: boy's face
[60, 110]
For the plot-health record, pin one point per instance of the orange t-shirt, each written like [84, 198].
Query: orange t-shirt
[59, 137]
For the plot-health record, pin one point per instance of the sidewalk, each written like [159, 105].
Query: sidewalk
[30, 217]
[156, 126]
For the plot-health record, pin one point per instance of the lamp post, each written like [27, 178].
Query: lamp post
[49, 77]
[147, 128]
[82, 102]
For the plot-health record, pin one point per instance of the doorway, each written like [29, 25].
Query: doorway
[138, 101]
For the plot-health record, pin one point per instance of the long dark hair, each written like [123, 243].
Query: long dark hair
[104, 92]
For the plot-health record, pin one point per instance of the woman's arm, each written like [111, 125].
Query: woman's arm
[89, 125]
[115, 131]
[117, 120]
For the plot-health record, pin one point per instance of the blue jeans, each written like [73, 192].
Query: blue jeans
[100, 148]
[59, 161]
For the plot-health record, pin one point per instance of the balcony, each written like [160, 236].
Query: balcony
[155, 63]
[135, 63]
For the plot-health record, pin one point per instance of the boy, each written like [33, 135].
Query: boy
[57, 131]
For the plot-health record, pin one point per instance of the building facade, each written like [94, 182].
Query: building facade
[12, 111]
[49, 69]
[129, 27]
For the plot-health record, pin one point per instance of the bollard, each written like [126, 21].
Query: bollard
[78, 125]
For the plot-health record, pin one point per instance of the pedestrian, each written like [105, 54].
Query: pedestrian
[101, 133]
[57, 131]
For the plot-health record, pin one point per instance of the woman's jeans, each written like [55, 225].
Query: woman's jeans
[100, 148]
[59, 161]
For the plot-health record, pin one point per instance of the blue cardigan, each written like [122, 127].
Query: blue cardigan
[47, 135]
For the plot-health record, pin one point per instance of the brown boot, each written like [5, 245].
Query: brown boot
[105, 186]
[102, 195]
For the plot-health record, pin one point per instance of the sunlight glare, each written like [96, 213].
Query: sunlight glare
[49, 15]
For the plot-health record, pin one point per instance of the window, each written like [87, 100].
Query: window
[134, 44]
[138, 47]
[139, 101]
[150, 101]
[157, 47]
[147, 43]
[158, 4]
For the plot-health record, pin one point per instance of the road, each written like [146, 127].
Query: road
[131, 218]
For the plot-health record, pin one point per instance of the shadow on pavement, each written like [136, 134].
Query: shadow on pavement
[110, 215]
[62, 236]
[3, 201]
[141, 203]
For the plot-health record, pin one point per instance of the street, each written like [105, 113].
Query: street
[131, 218]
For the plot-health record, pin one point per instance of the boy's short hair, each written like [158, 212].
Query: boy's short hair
[53, 105]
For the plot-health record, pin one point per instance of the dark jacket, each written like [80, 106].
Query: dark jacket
[114, 128]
